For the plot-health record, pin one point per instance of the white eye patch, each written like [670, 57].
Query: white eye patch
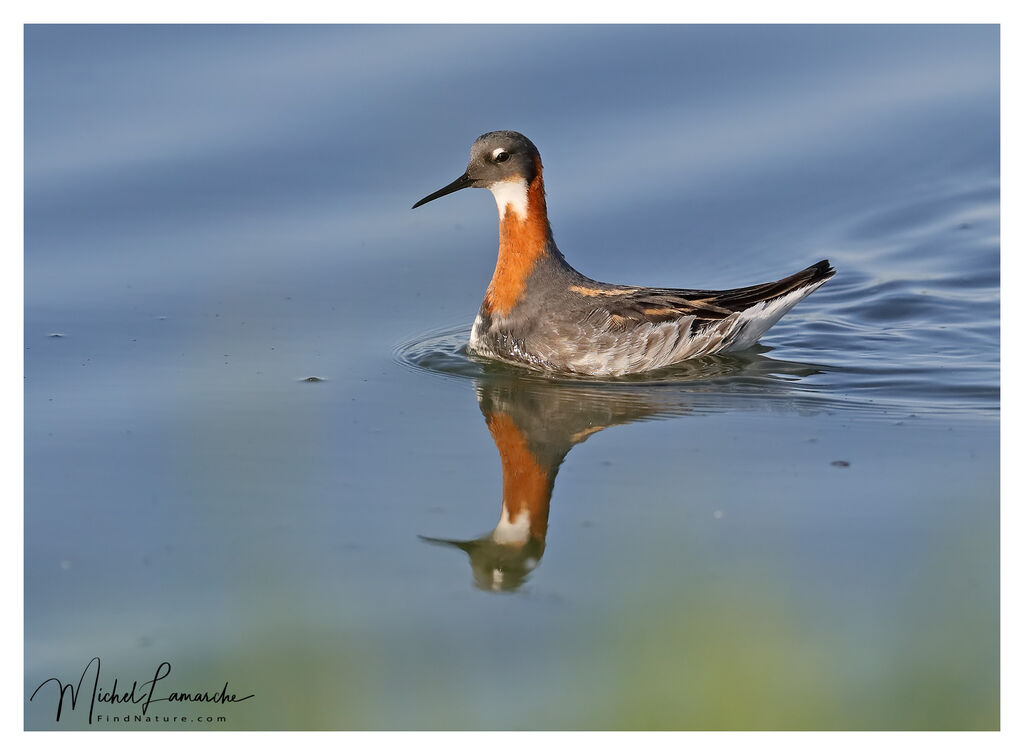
[497, 152]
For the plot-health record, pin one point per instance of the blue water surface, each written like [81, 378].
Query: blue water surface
[803, 536]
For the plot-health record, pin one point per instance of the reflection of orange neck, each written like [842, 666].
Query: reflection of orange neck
[522, 241]
[525, 486]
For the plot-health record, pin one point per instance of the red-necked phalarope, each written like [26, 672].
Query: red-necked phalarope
[541, 313]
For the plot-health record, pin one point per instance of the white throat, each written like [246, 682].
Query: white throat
[510, 532]
[510, 194]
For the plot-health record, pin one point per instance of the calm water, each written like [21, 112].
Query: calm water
[801, 536]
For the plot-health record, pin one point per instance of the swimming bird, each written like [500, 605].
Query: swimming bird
[541, 313]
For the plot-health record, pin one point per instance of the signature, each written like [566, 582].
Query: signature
[143, 694]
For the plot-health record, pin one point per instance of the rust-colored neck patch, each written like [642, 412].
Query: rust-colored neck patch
[525, 485]
[522, 241]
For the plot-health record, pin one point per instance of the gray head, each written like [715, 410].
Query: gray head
[497, 157]
[497, 567]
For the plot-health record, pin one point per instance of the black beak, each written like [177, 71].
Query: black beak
[462, 182]
[463, 545]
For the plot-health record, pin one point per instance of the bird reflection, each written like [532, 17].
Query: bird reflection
[535, 423]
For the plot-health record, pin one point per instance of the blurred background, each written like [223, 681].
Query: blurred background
[801, 537]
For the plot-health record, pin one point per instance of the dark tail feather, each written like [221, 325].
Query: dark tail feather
[738, 299]
[819, 271]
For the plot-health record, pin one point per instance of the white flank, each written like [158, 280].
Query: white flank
[510, 194]
[755, 321]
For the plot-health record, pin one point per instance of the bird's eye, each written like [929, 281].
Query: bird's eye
[501, 157]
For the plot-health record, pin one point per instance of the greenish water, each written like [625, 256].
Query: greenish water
[802, 536]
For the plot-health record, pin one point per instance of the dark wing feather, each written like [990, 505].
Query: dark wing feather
[661, 304]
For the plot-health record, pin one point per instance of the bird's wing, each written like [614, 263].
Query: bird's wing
[627, 307]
